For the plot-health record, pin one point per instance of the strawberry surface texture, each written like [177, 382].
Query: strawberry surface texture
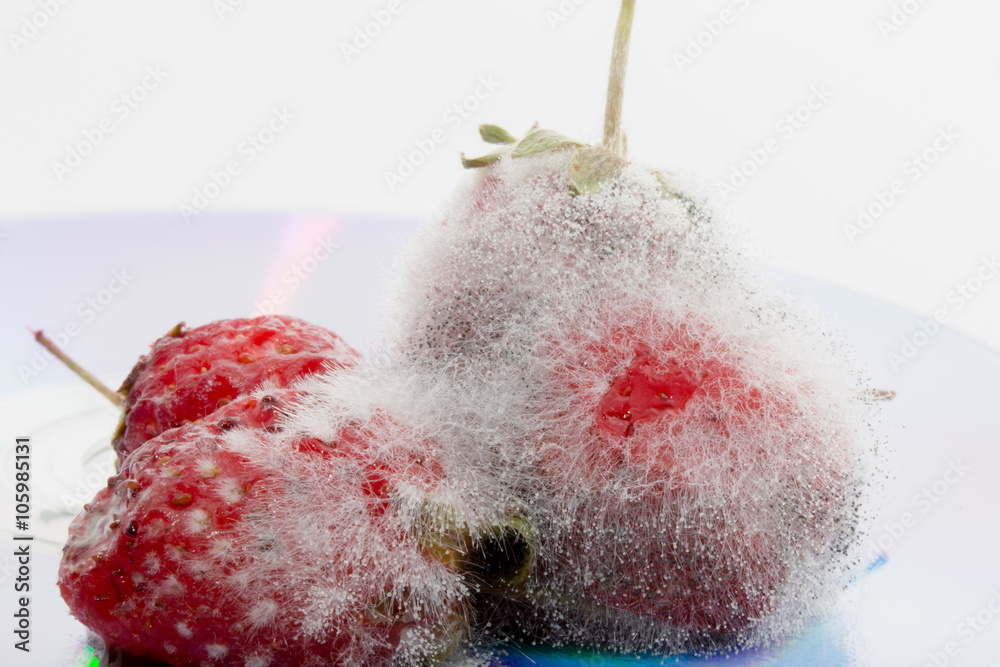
[228, 541]
[189, 373]
[695, 451]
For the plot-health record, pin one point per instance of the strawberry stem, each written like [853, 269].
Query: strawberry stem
[613, 139]
[87, 377]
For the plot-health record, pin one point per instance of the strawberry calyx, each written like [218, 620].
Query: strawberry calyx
[592, 166]
[503, 556]
[496, 558]
[534, 142]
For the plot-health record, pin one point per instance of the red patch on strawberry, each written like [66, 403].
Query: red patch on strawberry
[190, 373]
[220, 543]
[661, 419]
[647, 390]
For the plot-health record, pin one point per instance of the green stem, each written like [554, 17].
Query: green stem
[613, 139]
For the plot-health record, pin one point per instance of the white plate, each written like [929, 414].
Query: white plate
[929, 604]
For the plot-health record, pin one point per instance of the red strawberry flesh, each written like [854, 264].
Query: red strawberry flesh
[202, 551]
[190, 373]
[647, 390]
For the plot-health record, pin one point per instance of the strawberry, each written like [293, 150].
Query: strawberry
[693, 450]
[189, 373]
[685, 493]
[690, 448]
[226, 542]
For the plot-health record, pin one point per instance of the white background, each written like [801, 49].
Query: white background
[227, 70]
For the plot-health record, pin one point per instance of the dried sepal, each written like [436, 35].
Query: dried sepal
[541, 141]
[484, 161]
[494, 134]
